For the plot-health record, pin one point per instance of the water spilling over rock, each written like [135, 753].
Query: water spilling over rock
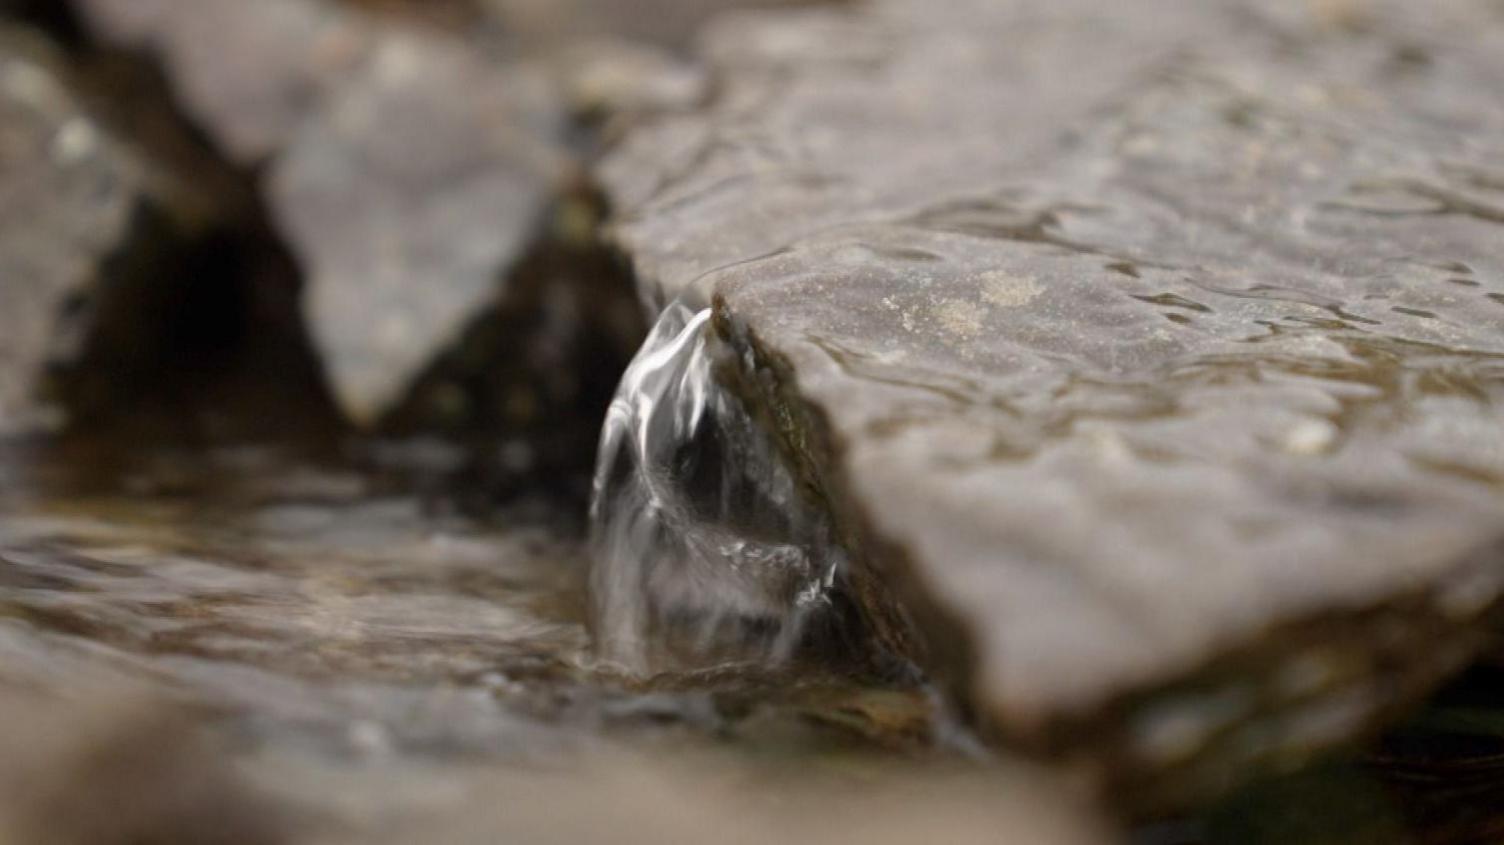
[1152, 354]
[704, 547]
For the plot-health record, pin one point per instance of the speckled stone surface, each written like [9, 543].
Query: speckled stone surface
[1151, 354]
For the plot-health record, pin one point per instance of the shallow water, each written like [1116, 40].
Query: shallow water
[378, 666]
[369, 654]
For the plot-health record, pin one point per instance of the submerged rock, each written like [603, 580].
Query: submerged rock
[1150, 358]
[86, 225]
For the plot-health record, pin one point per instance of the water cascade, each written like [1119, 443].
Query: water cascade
[705, 553]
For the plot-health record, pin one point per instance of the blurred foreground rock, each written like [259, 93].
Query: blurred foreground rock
[1150, 356]
[121, 769]
[247, 73]
[87, 224]
[417, 157]
[642, 801]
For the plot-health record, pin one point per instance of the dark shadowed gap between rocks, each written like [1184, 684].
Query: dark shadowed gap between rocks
[196, 337]
[189, 331]
[53, 17]
[512, 407]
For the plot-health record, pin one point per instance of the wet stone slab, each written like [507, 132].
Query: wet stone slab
[1151, 357]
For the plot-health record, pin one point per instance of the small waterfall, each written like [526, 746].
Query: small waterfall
[704, 551]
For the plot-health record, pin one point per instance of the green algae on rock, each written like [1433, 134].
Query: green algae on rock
[1150, 357]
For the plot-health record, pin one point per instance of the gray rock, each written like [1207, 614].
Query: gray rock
[85, 223]
[1150, 356]
[247, 73]
[410, 169]
[408, 199]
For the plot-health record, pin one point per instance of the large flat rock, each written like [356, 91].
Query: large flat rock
[1151, 355]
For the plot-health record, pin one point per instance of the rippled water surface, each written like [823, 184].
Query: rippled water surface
[366, 651]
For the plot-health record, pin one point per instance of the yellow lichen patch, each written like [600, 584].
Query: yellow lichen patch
[1008, 290]
[959, 317]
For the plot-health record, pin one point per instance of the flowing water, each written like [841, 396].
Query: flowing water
[376, 664]
[366, 652]
[704, 550]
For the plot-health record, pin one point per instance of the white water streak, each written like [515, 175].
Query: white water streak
[704, 552]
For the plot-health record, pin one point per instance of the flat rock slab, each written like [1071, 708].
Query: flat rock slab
[1153, 356]
[83, 219]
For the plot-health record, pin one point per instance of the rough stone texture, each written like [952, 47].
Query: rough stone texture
[1152, 355]
[84, 221]
[409, 198]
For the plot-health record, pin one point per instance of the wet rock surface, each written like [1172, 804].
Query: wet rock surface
[1152, 360]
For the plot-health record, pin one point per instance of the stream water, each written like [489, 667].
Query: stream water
[704, 550]
[375, 662]
[375, 659]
